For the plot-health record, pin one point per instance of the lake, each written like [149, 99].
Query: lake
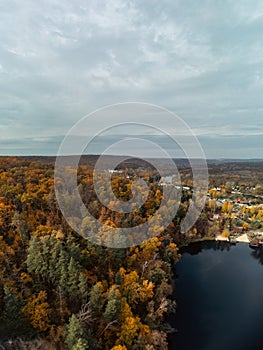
[219, 295]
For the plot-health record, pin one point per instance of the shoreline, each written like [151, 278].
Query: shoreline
[240, 239]
[243, 238]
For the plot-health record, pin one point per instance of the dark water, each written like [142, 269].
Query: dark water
[219, 294]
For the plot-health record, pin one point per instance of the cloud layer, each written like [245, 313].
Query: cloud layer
[59, 60]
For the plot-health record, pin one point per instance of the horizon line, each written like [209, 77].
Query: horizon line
[125, 155]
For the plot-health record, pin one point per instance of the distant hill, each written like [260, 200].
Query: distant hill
[215, 166]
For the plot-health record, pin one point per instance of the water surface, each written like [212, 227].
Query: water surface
[219, 294]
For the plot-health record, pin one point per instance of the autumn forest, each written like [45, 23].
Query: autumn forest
[58, 290]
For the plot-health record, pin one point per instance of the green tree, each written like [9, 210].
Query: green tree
[15, 320]
[113, 306]
[73, 278]
[81, 344]
[75, 332]
[96, 300]
[62, 269]
[77, 337]
[34, 257]
[82, 287]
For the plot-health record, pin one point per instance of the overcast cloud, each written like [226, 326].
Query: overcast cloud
[203, 60]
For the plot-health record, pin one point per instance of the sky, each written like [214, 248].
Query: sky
[61, 60]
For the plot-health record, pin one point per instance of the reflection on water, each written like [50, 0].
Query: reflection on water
[196, 248]
[257, 253]
[219, 294]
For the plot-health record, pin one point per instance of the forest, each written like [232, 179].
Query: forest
[58, 290]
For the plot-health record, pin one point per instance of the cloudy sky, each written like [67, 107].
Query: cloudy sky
[203, 60]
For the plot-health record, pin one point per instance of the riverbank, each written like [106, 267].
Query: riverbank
[221, 238]
[242, 238]
[195, 240]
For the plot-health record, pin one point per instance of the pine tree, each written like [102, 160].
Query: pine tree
[63, 281]
[34, 257]
[82, 286]
[73, 278]
[81, 344]
[73, 248]
[113, 307]
[75, 331]
[55, 247]
[62, 269]
[96, 300]
[16, 322]
[45, 258]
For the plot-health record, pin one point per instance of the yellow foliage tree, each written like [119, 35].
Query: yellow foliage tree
[227, 207]
[245, 226]
[225, 233]
[129, 330]
[119, 347]
[134, 289]
[38, 311]
[146, 290]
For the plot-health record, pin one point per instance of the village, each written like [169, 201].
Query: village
[242, 210]
[235, 212]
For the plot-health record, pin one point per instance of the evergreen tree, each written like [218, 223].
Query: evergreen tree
[87, 343]
[81, 344]
[54, 272]
[113, 307]
[34, 257]
[73, 247]
[82, 286]
[63, 281]
[45, 258]
[73, 278]
[96, 300]
[62, 269]
[75, 331]
[16, 322]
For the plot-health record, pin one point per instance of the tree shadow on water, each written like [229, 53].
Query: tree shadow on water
[257, 253]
